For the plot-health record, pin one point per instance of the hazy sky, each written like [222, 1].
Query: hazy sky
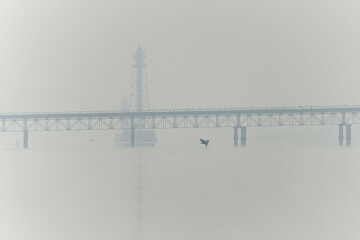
[78, 54]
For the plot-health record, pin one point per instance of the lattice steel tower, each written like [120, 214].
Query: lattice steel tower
[139, 100]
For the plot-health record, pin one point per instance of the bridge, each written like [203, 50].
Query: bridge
[236, 118]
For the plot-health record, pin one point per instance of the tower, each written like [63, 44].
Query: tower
[139, 99]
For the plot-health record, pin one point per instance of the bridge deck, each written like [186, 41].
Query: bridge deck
[189, 118]
[183, 112]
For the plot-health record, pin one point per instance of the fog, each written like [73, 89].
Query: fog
[78, 55]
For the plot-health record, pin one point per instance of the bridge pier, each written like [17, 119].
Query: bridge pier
[236, 137]
[243, 136]
[348, 134]
[132, 137]
[341, 134]
[132, 126]
[26, 139]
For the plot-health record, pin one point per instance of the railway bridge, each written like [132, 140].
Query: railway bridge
[237, 118]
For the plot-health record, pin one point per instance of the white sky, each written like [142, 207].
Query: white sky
[78, 55]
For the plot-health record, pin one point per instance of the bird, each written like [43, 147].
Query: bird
[91, 140]
[205, 142]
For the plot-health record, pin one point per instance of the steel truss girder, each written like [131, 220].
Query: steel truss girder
[174, 119]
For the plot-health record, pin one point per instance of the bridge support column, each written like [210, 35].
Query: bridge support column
[132, 137]
[243, 136]
[341, 134]
[348, 134]
[26, 139]
[236, 137]
[132, 122]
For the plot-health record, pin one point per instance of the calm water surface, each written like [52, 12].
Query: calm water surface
[268, 191]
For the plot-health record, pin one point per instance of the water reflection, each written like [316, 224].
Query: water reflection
[140, 190]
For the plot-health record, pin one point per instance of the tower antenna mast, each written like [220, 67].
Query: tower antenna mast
[139, 89]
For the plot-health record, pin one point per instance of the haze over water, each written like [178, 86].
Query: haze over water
[75, 55]
[181, 190]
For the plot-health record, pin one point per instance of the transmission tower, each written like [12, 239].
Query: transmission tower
[139, 99]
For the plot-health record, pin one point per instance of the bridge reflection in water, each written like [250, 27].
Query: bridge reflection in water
[200, 118]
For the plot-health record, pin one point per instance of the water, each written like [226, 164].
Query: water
[264, 191]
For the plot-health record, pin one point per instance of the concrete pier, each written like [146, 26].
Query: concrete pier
[348, 134]
[236, 137]
[243, 136]
[132, 127]
[132, 137]
[26, 139]
[341, 134]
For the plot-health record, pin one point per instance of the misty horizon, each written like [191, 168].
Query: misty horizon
[272, 154]
[231, 54]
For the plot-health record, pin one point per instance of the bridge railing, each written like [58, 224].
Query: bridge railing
[177, 119]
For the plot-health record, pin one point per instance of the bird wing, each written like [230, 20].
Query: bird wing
[202, 141]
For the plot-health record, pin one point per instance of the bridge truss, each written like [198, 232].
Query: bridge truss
[201, 118]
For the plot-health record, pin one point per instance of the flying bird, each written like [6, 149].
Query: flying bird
[205, 142]
[91, 140]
